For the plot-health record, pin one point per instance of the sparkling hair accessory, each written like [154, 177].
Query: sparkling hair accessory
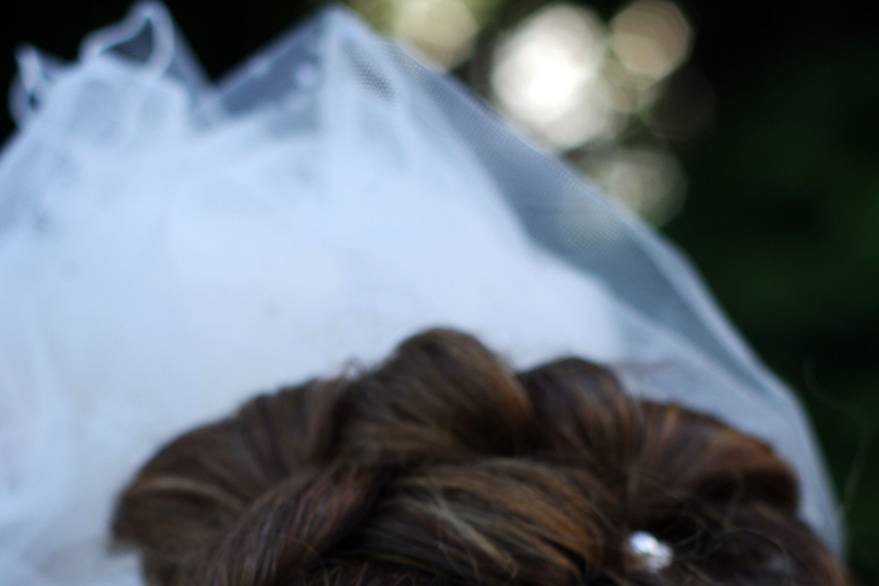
[648, 553]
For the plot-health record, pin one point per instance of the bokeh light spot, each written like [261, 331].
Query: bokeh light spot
[647, 180]
[651, 37]
[442, 29]
[546, 76]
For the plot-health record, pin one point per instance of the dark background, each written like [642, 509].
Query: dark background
[782, 207]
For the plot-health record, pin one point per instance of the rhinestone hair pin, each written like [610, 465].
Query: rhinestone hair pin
[648, 553]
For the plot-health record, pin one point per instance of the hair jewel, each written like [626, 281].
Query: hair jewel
[648, 553]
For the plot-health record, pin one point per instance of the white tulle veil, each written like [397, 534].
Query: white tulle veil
[170, 246]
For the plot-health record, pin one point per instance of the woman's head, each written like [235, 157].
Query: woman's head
[443, 466]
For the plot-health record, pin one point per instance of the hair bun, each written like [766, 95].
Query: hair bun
[287, 529]
[444, 467]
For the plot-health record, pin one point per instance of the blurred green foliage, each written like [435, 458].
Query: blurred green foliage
[782, 219]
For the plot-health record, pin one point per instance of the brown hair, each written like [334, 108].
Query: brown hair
[443, 467]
